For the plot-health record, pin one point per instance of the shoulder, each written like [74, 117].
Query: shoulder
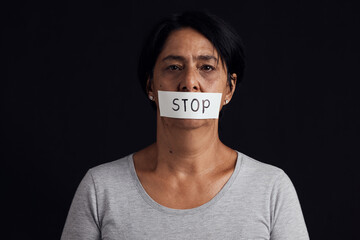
[259, 177]
[254, 168]
[112, 172]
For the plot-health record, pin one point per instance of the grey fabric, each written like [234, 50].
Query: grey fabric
[258, 202]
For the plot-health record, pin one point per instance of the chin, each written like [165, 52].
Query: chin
[187, 124]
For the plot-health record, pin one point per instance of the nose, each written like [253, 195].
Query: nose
[189, 81]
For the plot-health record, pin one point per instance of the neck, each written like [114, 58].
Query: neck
[187, 148]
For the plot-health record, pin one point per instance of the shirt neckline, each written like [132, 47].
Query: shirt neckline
[145, 196]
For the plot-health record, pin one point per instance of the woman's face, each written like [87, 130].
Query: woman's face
[190, 63]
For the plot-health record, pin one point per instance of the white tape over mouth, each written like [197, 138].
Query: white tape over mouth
[189, 105]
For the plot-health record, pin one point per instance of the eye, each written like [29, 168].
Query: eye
[207, 68]
[174, 68]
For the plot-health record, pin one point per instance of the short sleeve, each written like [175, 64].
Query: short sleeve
[82, 221]
[287, 221]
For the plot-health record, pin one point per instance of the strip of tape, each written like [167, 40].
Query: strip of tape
[189, 105]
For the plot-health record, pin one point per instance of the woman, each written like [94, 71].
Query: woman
[188, 184]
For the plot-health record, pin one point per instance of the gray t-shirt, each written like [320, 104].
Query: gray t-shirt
[258, 202]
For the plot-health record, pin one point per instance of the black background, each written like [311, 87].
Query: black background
[70, 100]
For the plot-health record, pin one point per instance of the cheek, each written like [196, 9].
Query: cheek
[215, 79]
[164, 83]
[217, 84]
[158, 81]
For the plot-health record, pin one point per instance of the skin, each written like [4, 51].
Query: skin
[188, 164]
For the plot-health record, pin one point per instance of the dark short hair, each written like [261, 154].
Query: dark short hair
[224, 38]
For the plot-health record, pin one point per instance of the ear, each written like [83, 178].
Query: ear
[149, 86]
[231, 88]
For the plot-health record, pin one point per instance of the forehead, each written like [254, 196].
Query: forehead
[187, 42]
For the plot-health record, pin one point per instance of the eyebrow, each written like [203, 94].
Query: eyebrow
[173, 57]
[207, 57]
[181, 58]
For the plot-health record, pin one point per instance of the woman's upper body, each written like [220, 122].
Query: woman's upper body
[188, 172]
[257, 202]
